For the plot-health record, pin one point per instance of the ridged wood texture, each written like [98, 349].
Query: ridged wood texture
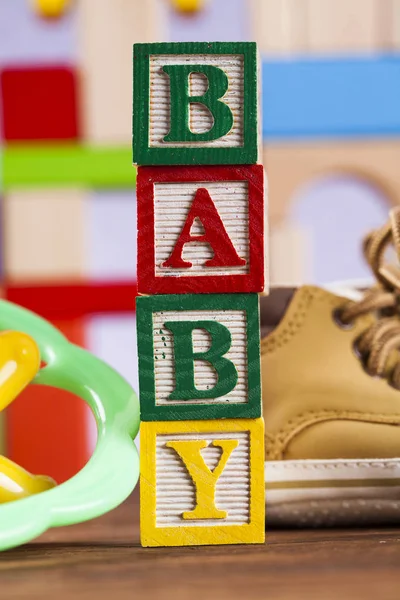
[176, 492]
[205, 375]
[238, 200]
[204, 116]
[200, 118]
[202, 482]
[233, 317]
[172, 202]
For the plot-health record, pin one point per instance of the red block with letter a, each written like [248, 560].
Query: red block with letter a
[200, 229]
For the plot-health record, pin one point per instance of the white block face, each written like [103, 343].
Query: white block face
[200, 119]
[176, 492]
[172, 202]
[204, 373]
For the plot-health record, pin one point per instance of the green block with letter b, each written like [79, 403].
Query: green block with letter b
[195, 103]
[199, 356]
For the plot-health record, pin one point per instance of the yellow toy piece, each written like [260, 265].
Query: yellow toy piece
[16, 483]
[188, 6]
[51, 9]
[19, 363]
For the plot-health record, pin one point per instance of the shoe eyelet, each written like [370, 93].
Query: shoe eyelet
[337, 318]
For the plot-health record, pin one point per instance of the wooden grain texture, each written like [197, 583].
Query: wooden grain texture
[205, 374]
[195, 103]
[293, 165]
[291, 255]
[341, 26]
[177, 369]
[187, 498]
[102, 559]
[279, 26]
[229, 203]
[44, 237]
[227, 226]
[200, 118]
[394, 24]
[298, 27]
[106, 33]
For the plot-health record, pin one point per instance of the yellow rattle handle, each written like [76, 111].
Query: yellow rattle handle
[16, 483]
[19, 363]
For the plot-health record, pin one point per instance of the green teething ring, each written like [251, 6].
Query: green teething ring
[112, 471]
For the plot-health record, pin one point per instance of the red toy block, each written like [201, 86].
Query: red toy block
[71, 300]
[39, 103]
[47, 428]
[200, 229]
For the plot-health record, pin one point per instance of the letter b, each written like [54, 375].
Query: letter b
[218, 84]
[221, 340]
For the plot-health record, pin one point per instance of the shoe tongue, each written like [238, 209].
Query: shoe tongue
[284, 303]
[273, 308]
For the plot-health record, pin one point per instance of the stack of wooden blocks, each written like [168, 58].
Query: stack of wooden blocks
[201, 212]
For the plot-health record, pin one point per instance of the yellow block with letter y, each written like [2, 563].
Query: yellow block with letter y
[202, 482]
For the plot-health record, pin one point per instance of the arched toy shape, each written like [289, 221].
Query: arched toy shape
[292, 165]
[112, 471]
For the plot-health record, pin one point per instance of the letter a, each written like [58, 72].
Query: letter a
[204, 479]
[215, 234]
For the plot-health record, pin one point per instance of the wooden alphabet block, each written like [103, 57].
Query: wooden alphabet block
[199, 356]
[201, 229]
[195, 103]
[202, 482]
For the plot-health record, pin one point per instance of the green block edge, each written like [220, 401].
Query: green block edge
[146, 305]
[67, 165]
[143, 155]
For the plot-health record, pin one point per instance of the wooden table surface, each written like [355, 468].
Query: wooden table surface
[103, 559]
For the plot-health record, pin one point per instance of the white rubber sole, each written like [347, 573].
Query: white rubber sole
[320, 493]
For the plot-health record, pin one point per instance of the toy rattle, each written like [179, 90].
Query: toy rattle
[31, 504]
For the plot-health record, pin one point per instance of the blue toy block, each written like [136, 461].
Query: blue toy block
[331, 98]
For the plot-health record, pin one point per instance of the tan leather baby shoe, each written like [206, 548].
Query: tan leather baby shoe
[331, 397]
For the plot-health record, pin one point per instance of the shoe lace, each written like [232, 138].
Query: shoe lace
[376, 344]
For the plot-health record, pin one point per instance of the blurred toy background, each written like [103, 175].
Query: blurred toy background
[331, 139]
